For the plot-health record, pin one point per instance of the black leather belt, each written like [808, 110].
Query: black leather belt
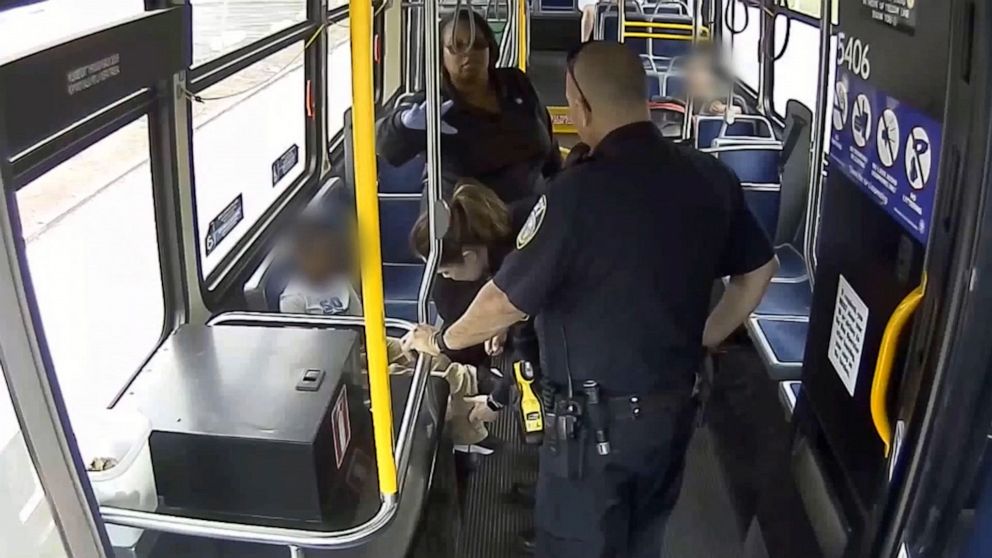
[636, 406]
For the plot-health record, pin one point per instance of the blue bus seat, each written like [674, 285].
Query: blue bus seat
[785, 300]
[756, 166]
[791, 265]
[401, 281]
[781, 344]
[753, 162]
[674, 85]
[407, 178]
[707, 129]
[397, 215]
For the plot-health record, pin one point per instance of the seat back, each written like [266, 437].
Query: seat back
[756, 166]
[708, 129]
[795, 166]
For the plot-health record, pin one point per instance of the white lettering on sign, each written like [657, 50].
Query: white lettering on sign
[84, 77]
[854, 55]
[847, 334]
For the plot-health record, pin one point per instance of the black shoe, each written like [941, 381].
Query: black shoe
[526, 541]
[522, 494]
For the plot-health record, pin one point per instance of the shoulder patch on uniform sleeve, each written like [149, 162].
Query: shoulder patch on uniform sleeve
[533, 224]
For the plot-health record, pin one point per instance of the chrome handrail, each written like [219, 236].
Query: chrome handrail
[819, 129]
[436, 210]
[301, 538]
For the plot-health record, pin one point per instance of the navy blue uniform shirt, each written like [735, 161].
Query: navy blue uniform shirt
[617, 262]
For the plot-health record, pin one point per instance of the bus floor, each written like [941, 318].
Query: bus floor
[702, 525]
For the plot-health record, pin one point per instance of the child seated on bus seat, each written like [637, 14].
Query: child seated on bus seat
[322, 285]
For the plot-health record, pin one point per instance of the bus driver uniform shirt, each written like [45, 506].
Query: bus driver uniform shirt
[617, 262]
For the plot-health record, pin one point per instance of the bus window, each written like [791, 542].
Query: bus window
[27, 27]
[220, 26]
[331, 4]
[796, 72]
[249, 145]
[745, 44]
[26, 524]
[91, 243]
[338, 76]
[811, 8]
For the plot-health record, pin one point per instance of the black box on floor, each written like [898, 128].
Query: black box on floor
[258, 423]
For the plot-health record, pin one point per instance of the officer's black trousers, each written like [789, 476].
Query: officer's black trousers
[618, 509]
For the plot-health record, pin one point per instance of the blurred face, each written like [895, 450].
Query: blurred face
[473, 266]
[318, 258]
[700, 77]
[466, 61]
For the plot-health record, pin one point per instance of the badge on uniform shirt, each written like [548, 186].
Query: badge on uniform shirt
[533, 224]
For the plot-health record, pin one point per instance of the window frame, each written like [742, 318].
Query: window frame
[244, 253]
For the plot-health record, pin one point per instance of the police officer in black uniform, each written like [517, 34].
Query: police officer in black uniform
[617, 262]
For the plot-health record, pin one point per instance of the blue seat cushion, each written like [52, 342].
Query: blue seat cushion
[764, 204]
[753, 165]
[396, 220]
[786, 339]
[402, 281]
[407, 310]
[792, 265]
[786, 299]
[781, 345]
[404, 179]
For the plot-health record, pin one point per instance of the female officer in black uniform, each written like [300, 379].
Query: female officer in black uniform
[494, 127]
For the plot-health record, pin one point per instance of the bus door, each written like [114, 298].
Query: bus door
[884, 131]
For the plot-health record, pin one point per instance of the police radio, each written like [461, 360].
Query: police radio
[531, 414]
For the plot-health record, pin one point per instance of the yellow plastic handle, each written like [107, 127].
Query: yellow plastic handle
[886, 360]
[522, 35]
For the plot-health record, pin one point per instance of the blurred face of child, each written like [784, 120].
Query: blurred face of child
[320, 255]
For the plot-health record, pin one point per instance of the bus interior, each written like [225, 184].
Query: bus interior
[154, 155]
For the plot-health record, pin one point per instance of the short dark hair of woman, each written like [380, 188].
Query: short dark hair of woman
[477, 218]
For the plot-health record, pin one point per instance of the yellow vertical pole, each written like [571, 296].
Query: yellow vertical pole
[367, 201]
[522, 35]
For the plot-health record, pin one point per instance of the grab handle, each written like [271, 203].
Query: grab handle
[885, 362]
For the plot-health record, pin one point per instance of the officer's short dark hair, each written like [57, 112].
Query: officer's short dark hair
[471, 17]
[478, 218]
[606, 71]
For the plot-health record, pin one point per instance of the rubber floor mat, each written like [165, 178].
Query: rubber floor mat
[492, 522]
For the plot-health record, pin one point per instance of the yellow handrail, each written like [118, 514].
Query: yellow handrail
[636, 35]
[886, 360]
[367, 202]
[522, 35]
[659, 25]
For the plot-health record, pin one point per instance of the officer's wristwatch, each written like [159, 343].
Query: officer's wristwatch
[494, 405]
[442, 347]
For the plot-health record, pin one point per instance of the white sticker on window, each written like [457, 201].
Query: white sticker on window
[847, 334]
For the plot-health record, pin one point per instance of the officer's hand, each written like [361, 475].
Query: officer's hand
[481, 412]
[415, 118]
[421, 339]
[578, 152]
[495, 345]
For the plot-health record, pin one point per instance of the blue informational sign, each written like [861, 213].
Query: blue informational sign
[888, 148]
